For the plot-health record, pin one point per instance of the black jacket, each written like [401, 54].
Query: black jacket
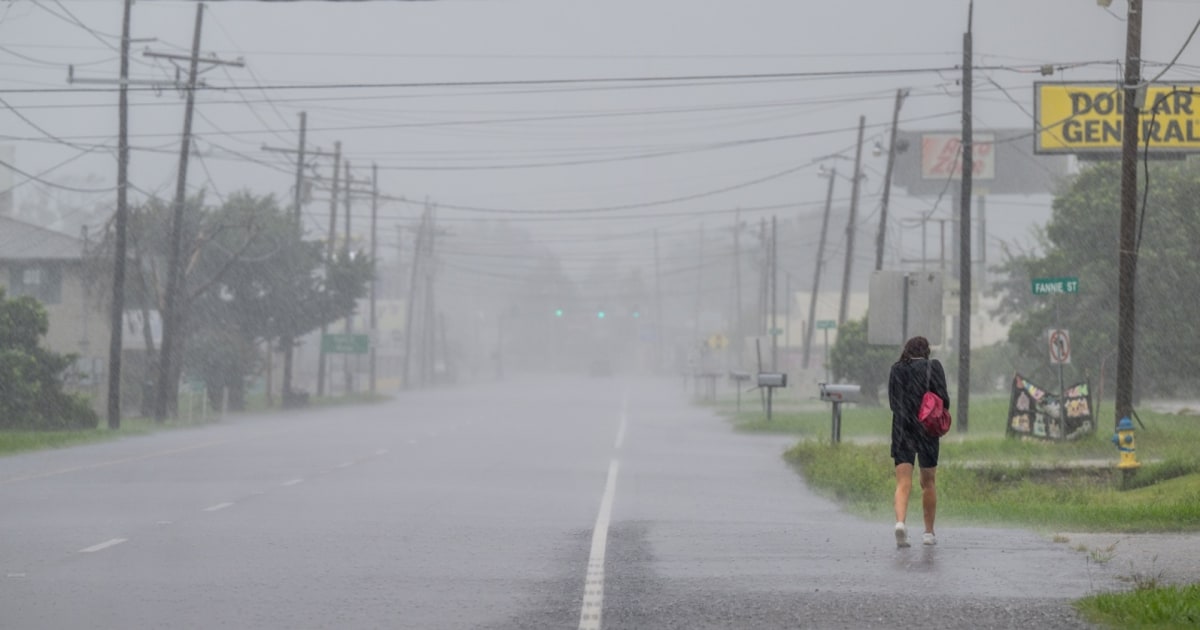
[907, 385]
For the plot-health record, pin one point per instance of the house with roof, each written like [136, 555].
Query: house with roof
[52, 267]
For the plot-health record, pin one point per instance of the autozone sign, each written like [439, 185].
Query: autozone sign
[941, 156]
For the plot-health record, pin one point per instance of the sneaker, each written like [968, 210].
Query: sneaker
[929, 539]
[901, 536]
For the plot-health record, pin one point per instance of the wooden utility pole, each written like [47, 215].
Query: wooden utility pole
[1127, 254]
[289, 341]
[851, 224]
[887, 180]
[774, 295]
[658, 329]
[172, 340]
[739, 333]
[348, 324]
[374, 270]
[817, 267]
[330, 251]
[117, 323]
[964, 233]
[409, 324]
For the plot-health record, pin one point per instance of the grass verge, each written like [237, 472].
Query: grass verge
[1159, 607]
[12, 442]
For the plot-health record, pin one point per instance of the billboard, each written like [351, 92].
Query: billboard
[941, 156]
[1010, 163]
[1089, 118]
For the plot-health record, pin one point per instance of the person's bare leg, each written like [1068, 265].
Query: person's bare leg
[904, 475]
[929, 496]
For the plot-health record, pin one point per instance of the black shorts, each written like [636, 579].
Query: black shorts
[910, 444]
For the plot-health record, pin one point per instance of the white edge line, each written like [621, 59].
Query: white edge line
[104, 545]
[593, 589]
[219, 506]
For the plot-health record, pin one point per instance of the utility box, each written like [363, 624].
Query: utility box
[840, 393]
[772, 379]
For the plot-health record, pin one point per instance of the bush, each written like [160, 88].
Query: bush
[31, 388]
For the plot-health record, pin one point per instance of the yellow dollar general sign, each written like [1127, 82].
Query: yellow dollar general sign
[1090, 118]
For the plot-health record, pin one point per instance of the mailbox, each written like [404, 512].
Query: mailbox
[772, 379]
[840, 393]
[739, 377]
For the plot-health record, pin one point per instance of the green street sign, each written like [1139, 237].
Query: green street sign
[826, 324]
[775, 332]
[345, 344]
[1055, 286]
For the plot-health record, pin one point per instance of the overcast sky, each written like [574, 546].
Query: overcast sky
[621, 150]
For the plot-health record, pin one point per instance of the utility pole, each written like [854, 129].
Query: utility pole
[172, 340]
[739, 336]
[887, 180]
[851, 227]
[374, 269]
[288, 342]
[1127, 278]
[774, 280]
[348, 326]
[764, 245]
[699, 285]
[329, 253]
[430, 324]
[658, 329]
[118, 300]
[412, 298]
[816, 285]
[964, 233]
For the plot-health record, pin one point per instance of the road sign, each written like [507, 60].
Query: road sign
[1060, 346]
[826, 324]
[775, 332]
[345, 344]
[718, 341]
[1055, 286]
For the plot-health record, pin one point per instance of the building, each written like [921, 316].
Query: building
[52, 268]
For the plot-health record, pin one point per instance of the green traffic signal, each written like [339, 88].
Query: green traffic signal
[600, 315]
[558, 312]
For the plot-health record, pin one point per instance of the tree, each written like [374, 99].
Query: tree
[249, 277]
[1080, 240]
[255, 280]
[31, 394]
[853, 359]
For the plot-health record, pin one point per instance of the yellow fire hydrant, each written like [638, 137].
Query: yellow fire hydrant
[1126, 446]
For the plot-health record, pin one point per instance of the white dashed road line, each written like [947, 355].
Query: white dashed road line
[593, 590]
[104, 545]
[219, 506]
[291, 482]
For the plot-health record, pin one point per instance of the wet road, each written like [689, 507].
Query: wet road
[529, 504]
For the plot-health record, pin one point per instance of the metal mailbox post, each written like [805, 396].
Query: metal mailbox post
[769, 381]
[738, 378]
[838, 394]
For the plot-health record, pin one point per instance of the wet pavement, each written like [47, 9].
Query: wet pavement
[483, 507]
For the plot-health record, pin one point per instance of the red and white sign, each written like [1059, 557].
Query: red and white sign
[941, 156]
[1060, 347]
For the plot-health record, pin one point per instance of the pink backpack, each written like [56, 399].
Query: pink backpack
[933, 416]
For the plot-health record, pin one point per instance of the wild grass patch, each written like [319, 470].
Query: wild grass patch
[1152, 606]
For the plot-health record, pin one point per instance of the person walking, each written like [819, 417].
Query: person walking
[911, 376]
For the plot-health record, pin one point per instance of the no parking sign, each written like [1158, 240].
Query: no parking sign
[1060, 346]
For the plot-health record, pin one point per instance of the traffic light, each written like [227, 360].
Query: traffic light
[637, 312]
[558, 312]
[600, 314]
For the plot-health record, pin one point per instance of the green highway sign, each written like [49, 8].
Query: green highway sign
[345, 344]
[1055, 286]
[775, 332]
[826, 324]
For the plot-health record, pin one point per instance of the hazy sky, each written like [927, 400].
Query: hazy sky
[610, 152]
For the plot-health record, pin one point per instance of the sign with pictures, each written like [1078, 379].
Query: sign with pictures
[1035, 412]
